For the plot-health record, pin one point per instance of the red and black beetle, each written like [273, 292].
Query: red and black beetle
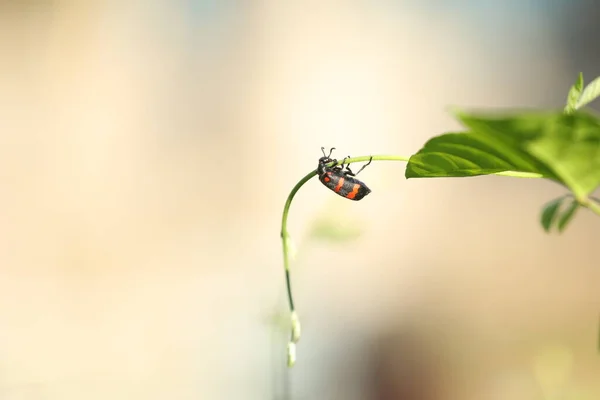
[341, 180]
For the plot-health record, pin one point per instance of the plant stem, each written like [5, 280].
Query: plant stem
[284, 233]
[592, 205]
[285, 237]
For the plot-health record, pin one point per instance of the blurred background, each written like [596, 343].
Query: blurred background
[147, 149]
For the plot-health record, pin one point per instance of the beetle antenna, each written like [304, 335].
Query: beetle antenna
[330, 151]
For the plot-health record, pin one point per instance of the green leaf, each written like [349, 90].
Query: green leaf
[590, 93]
[550, 212]
[467, 154]
[554, 215]
[567, 215]
[515, 131]
[565, 147]
[571, 148]
[511, 127]
[574, 95]
[493, 145]
[557, 146]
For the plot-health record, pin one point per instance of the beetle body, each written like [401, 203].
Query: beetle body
[341, 181]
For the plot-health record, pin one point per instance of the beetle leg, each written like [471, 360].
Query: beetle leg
[348, 170]
[364, 166]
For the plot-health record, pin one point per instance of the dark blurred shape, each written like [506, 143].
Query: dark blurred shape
[407, 367]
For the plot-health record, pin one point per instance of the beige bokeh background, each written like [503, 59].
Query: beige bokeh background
[146, 151]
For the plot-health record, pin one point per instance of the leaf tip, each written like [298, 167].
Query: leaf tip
[455, 111]
[574, 95]
[579, 82]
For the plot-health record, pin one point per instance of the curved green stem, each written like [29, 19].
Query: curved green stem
[285, 237]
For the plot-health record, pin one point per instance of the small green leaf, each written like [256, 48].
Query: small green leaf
[550, 212]
[567, 215]
[574, 95]
[590, 93]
